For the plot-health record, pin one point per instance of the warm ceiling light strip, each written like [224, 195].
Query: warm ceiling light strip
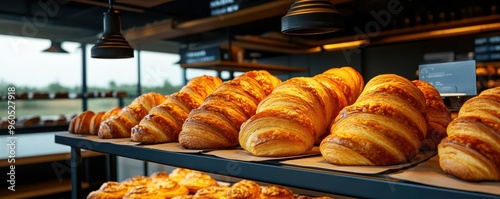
[345, 45]
[443, 33]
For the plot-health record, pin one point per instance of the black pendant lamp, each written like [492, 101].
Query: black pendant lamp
[55, 47]
[112, 44]
[311, 17]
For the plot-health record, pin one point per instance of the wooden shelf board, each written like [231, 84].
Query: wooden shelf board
[39, 189]
[242, 67]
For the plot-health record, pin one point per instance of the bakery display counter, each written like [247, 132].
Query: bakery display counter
[276, 171]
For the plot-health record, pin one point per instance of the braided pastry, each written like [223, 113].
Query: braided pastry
[164, 122]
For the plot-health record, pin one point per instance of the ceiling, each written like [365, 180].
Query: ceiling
[164, 25]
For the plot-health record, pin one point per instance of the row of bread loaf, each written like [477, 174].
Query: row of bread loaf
[390, 121]
[186, 183]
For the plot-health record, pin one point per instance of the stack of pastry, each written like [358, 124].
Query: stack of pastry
[119, 126]
[385, 126]
[472, 149]
[298, 112]
[216, 123]
[438, 116]
[164, 122]
[88, 122]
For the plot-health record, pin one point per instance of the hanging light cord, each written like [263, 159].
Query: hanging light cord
[111, 5]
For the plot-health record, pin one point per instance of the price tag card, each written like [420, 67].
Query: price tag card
[451, 78]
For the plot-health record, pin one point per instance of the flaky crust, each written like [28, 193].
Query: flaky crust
[95, 122]
[216, 123]
[438, 115]
[81, 123]
[472, 149]
[297, 113]
[276, 192]
[385, 126]
[164, 122]
[119, 126]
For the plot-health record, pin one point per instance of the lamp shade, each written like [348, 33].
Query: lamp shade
[55, 47]
[112, 44]
[311, 17]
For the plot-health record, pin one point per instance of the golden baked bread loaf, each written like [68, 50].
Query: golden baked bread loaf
[212, 192]
[195, 181]
[276, 192]
[109, 190]
[120, 126]
[244, 189]
[298, 112]
[438, 115]
[81, 123]
[472, 149]
[164, 122]
[216, 123]
[385, 126]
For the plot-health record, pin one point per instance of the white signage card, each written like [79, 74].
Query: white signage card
[451, 78]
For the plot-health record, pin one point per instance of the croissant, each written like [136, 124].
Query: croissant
[164, 122]
[216, 123]
[119, 126]
[81, 123]
[438, 115]
[472, 149]
[95, 122]
[385, 126]
[298, 112]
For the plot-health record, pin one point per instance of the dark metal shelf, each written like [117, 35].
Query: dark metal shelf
[364, 186]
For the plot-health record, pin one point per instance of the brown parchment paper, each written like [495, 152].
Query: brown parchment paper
[172, 147]
[241, 154]
[430, 173]
[95, 138]
[319, 162]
